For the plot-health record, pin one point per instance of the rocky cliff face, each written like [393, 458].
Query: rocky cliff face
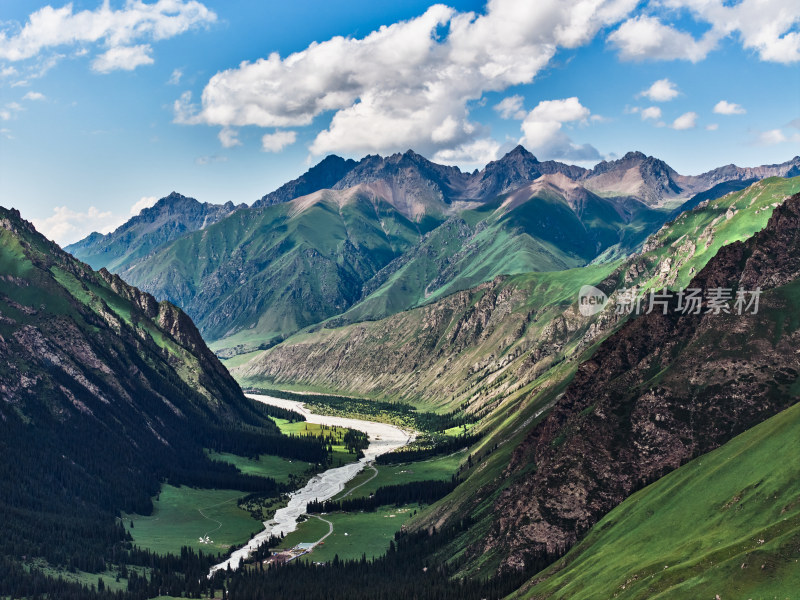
[645, 178]
[104, 394]
[662, 390]
[527, 322]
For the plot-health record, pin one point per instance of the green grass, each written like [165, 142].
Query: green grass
[109, 576]
[239, 359]
[442, 468]
[727, 523]
[279, 469]
[307, 531]
[367, 533]
[750, 209]
[177, 521]
[340, 454]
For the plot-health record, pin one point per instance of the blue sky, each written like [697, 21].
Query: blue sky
[105, 107]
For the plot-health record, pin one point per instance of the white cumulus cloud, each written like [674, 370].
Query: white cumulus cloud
[685, 121]
[229, 137]
[510, 107]
[33, 96]
[477, 153]
[142, 203]
[662, 90]
[723, 107]
[771, 137]
[543, 132]
[769, 27]
[123, 58]
[651, 112]
[275, 142]
[118, 30]
[646, 37]
[404, 85]
[66, 226]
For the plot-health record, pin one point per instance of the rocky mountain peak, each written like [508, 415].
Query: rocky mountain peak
[634, 155]
[321, 176]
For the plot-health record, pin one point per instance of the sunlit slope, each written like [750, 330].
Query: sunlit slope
[550, 225]
[727, 524]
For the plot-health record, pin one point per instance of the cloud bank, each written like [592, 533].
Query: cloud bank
[409, 84]
[117, 30]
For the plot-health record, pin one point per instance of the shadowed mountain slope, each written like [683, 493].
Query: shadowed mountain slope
[264, 273]
[105, 392]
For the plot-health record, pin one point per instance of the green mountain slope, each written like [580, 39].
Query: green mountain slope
[661, 390]
[552, 224]
[727, 524]
[264, 273]
[354, 245]
[477, 345]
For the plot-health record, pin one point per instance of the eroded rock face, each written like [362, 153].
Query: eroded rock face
[662, 390]
[65, 344]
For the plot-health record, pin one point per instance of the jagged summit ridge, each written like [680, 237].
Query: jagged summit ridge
[168, 219]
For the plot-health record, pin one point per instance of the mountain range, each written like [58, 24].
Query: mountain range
[384, 234]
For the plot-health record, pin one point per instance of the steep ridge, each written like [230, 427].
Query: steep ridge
[551, 224]
[409, 174]
[643, 177]
[105, 393]
[726, 524]
[239, 279]
[645, 403]
[517, 168]
[170, 218]
[654, 182]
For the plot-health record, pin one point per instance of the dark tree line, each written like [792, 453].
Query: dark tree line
[355, 440]
[405, 571]
[253, 442]
[439, 448]
[414, 492]
[277, 412]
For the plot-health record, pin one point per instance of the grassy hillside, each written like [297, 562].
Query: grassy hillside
[551, 225]
[264, 273]
[663, 389]
[471, 346]
[685, 245]
[727, 524]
